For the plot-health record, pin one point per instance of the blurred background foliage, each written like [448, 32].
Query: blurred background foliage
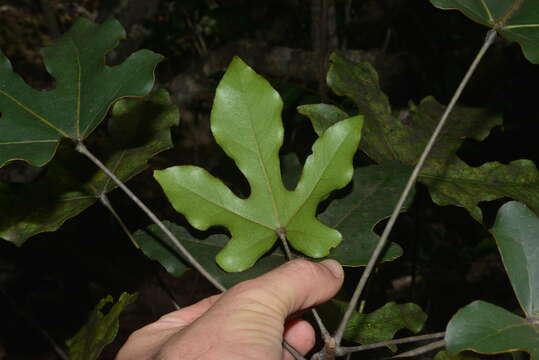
[51, 283]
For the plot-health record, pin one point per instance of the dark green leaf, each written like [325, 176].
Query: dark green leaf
[377, 326]
[100, 330]
[72, 184]
[376, 190]
[450, 180]
[488, 329]
[516, 20]
[322, 116]
[517, 235]
[33, 122]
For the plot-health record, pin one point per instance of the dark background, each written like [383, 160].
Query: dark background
[50, 284]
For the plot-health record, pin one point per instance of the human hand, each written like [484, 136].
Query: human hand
[247, 322]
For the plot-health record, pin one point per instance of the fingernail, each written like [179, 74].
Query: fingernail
[334, 267]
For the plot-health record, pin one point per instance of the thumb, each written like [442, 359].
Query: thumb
[258, 309]
[297, 285]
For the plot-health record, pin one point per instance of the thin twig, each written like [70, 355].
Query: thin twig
[350, 349]
[103, 198]
[293, 351]
[491, 36]
[323, 330]
[421, 350]
[185, 253]
[106, 202]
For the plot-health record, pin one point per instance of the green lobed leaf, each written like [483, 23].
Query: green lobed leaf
[322, 116]
[488, 329]
[33, 122]
[137, 130]
[100, 329]
[355, 215]
[516, 231]
[246, 123]
[377, 326]
[449, 179]
[376, 190]
[516, 20]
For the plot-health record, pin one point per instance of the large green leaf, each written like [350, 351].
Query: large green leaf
[449, 179]
[138, 129]
[517, 235]
[246, 123]
[377, 326]
[33, 122]
[100, 329]
[486, 328]
[516, 20]
[372, 199]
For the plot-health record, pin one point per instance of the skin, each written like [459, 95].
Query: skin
[247, 322]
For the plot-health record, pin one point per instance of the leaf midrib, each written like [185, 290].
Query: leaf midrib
[33, 113]
[302, 204]
[262, 164]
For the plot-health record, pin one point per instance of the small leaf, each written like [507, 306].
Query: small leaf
[516, 232]
[100, 329]
[33, 122]
[377, 326]
[449, 179]
[72, 184]
[516, 20]
[246, 123]
[488, 329]
[322, 116]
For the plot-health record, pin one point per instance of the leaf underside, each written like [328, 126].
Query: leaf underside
[487, 328]
[516, 231]
[137, 130]
[246, 123]
[516, 20]
[33, 122]
[403, 137]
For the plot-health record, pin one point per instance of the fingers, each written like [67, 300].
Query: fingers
[300, 335]
[145, 342]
